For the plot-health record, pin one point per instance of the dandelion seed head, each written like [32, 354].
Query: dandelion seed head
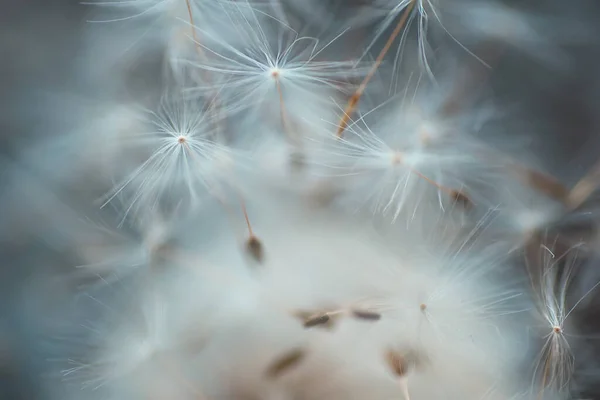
[557, 330]
[275, 73]
[358, 230]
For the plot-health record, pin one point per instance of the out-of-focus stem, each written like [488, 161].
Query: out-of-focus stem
[584, 188]
[202, 55]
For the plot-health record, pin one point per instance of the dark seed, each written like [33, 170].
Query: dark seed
[284, 363]
[366, 315]
[316, 320]
[255, 248]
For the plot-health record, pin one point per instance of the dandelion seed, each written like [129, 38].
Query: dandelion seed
[253, 245]
[317, 320]
[286, 362]
[280, 68]
[324, 319]
[185, 161]
[551, 276]
[397, 172]
[366, 315]
[311, 320]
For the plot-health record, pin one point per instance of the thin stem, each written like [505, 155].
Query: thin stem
[245, 211]
[442, 188]
[192, 27]
[353, 102]
[215, 106]
[287, 127]
[405, 389]
[219, 196]
[282, 109]
[453, 193]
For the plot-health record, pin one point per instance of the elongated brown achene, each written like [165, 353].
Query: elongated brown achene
[284, 363]
[366, 315]
[317, 320]
[354, 100]
[584, 188]
[543, 183]
[255, 249]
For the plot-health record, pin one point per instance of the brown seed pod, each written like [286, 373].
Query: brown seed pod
[366, 315]
[255, 248]
[284, 363]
